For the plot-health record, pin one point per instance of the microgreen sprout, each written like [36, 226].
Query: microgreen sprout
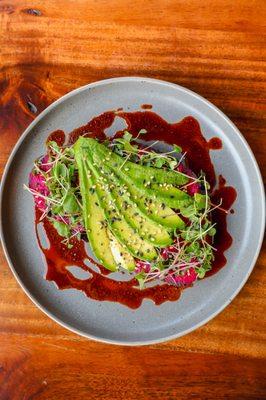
[57, 187]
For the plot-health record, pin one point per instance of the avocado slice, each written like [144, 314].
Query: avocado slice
[104, 245]
[121, 256]
[169, 195]
[151, 231]
[157, 211]
[146, 200]
[149, 180]
[147, 204]
[94, 219]
[139, 173]
[123, 232]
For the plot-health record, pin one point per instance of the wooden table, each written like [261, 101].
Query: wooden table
[216, 48]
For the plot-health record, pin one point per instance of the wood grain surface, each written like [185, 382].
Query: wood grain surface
[216, 48]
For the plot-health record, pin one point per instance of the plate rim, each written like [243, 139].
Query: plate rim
[35, 122]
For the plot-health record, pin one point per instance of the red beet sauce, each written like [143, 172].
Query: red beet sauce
[215, 143]
[99, 286]
[146, 106]
[57, 136]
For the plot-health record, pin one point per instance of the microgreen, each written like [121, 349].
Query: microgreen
[61, 228]
[177, 149]
[61, 194]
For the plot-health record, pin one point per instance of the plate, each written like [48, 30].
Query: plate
[112, 322]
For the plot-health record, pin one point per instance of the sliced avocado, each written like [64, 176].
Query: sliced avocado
[151, 181]
[123, 232]
[137, 172]
[147, 200]
[168, 195]
[150, 206]
[151, 231]
[157, 211]
[94, 219]
[121, 256]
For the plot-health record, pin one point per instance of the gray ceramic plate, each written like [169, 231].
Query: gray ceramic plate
[112, 322]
